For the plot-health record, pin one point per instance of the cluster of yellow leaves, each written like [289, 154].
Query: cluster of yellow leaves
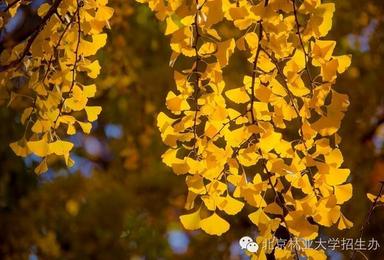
[270, 143]
[61, 56]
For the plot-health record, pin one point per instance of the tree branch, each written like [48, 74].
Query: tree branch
[32, 38]
[370, 212]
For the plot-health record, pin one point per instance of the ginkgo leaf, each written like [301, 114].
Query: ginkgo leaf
[195, 184]
[252, 40]
[43, 9]
[373, 197]
[93, 69]
[191, 221]
[329, 69]
[230, 205]
[209, 202]
[87, 48]
[42, 167]
[19, 148]
[40, 147]
[320, 21]
[299, 226]
[207, 48]
[334, 158]
[60, 147]
[26, 114]
[224, 51]
[171, 26]
[273, 208]
[282, 253]
[322, 51]
[92, 112]
[104, 13]
[78, 100]
[85, 126]
[214, 225]
[343, 62]
[188, 20]
[269, 140]
[314, 254]
[89, 90]
[238, 95]
[221, 141]
[175, 103]
[336, 176]
[344, 223]
[180, 167]
[259, 217]
[343, 193]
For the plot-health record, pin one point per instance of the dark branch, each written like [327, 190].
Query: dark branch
[33, 36]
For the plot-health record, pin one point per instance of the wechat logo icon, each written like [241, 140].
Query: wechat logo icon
[248, 244]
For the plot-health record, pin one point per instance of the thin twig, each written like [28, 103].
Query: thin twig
[74, 68]
[57, 45]
[32, 38]
[10, 5]
[306, 56]
[255, 68]
[370, 212]
[197, 74]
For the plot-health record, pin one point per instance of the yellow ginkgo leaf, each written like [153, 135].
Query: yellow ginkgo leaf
[322, 51]
[273, 208]
[171, 26]
[344, 62]
[89, 90]
[180, 167]
[326, 12]
[230, 205]
[19, 148]
[344, 223]
[43, 9]
[259, 217]
[104, 13]
[238, 95]
[320, 21]
[336, 176]
[85, 126]
[299, 226]
[188, 20]
[343, 193]
[214, 225]
[77, 101]
[92, 112]
[269, 140]
[87, 48]
[175, 103]
[372, 197]
[60, 147]
[42, 167]
[195, 184]
[224, 51]
[26, 114]
[207, 48]
[334, 158]
[40, 148]
[252, 40]
[315, 254]
[191, 221]
[93, 69]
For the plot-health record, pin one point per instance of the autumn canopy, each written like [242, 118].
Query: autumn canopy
[243, 100]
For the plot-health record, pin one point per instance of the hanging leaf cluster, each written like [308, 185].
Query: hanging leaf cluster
[54, 66]
[269, 144]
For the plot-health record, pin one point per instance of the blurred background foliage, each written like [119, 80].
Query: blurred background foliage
[120, 202]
